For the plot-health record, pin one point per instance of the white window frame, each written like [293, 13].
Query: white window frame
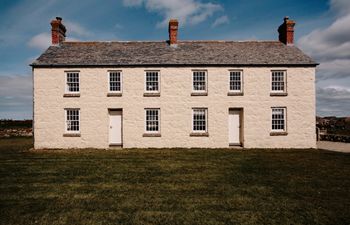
[206, 120]
[205, 80]
[284, 119]
[66, 82]
[241, 80]
[145, 81]
[66, 121]
[159, 127]
[121, 81]
[284, 81]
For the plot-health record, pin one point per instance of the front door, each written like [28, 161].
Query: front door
[115, 127]
[234, 126]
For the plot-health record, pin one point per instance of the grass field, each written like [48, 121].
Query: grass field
[196, 186]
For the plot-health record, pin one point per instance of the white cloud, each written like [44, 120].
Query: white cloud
[333, 101]
[16, 99]
[186, 11]
[76, 29]
[332, 42]
[220, 21]
[341, 7]
[330, 46]
[41, 41]
[333, 69]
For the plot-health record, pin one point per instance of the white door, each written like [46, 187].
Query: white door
[234, 126]
[115, 127]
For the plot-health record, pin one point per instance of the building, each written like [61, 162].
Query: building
[143, 94]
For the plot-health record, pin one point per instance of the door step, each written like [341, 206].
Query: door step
[236, 146]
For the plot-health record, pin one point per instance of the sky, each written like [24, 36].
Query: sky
[322, 31]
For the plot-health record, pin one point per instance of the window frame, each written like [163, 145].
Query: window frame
[284, 120]
[205, 80]
[145, 81]
[66, 90]
[120, 80]
[241, 81]
[206, 120]
[66, 121]
[145, 123]
[284, 81]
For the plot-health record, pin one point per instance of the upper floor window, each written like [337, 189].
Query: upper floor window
[152, 120]
[72, 82]
[236, 81]
[115, 81]
[152, 81]
[278, 81]
[279, 119]
[199, 81]
[72, 120]
[199, 120]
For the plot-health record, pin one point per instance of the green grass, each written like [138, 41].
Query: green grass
[196, 186]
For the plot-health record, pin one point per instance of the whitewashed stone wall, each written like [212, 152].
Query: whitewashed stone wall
[176, 105]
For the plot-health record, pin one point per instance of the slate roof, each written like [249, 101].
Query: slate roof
[186, 53]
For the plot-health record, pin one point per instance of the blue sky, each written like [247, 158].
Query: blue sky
[322, 31]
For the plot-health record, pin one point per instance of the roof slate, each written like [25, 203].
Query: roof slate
[186, 53]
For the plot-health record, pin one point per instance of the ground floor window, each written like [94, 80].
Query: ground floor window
[152, 120]
[199, 119]
[72, 120]
[279, 119]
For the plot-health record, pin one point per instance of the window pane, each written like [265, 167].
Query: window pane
[152, 81]
[152, 120]
[235, 80]
[199, 119]
[73, 82]
[199, 81]
[278, 81]
[278, 119]
[72, 119]
[114, 81]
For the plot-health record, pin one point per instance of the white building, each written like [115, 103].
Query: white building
[143, 94]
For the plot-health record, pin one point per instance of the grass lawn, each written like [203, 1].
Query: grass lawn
[196, 186]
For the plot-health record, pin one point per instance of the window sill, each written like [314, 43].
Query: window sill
[279, 94]
[151, 135]
[278, 133]
[157, 94]
[204, 134]
[71, 95]
[71, 135]
[111, 94]
[235, 94]
[199, 94]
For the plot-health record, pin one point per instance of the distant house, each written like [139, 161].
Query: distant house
[145, 94]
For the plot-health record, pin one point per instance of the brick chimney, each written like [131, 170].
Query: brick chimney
[173, 28]
[286, 31]
[58, 31]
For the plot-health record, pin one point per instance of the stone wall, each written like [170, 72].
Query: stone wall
[16, 132]
[175, 103]
[335, 138]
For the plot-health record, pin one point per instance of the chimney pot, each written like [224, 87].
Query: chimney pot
[286, 31]
[173, 28]
[58, 31]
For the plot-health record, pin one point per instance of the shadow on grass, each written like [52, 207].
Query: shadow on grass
[172, 186]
